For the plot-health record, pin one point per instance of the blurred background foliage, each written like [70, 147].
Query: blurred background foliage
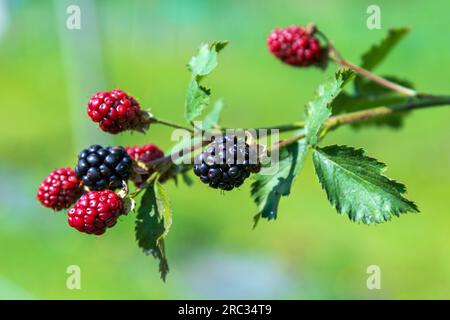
[48, 73]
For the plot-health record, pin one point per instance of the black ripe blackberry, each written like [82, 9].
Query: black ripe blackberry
[226, 163]
[103, 168]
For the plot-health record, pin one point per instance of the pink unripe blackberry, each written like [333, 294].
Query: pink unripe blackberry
[145, 153]
[296, 46]
[60, 189]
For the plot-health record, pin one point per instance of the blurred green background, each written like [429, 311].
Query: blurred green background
[48, 73]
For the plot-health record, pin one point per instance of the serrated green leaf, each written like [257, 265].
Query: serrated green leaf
[198, 97]
[267, 190]
[318, 110]
[150, 228]
[206, 60]
[376, 54]
[211, 120]
[197, 100]
[164, 208]
[355, 185]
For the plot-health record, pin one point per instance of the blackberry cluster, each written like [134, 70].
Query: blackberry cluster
[96, 211]
[103, 168]
[115, 111]
[226, 163]
[296, 46]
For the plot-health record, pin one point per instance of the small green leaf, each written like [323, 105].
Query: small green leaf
[355, 185]
[198, 97]
[206, 60]
[267, 190]
[197, 100]
[164, 208]
[211, 120]
[318, 110]
[376, 54]
[151, 227]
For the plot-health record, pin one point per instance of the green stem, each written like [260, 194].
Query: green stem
[371, 76]
[334, 122]
[284, 143]
[170, 124]
[359, 116]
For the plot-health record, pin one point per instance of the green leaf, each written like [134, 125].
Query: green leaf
[345, 102]
[377, 53]
[211, 120]
[267, 189]
[206, 60]
[164, 208]
[355, 185]
[151, 225]
[198, 97]
[318, 110]
[372, 95]
[197, 100]
[370, 88]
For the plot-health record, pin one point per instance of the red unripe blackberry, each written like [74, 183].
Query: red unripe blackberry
[146, 154]
[115, 111]
[96, 211]
[60, 189]
[296, 46]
